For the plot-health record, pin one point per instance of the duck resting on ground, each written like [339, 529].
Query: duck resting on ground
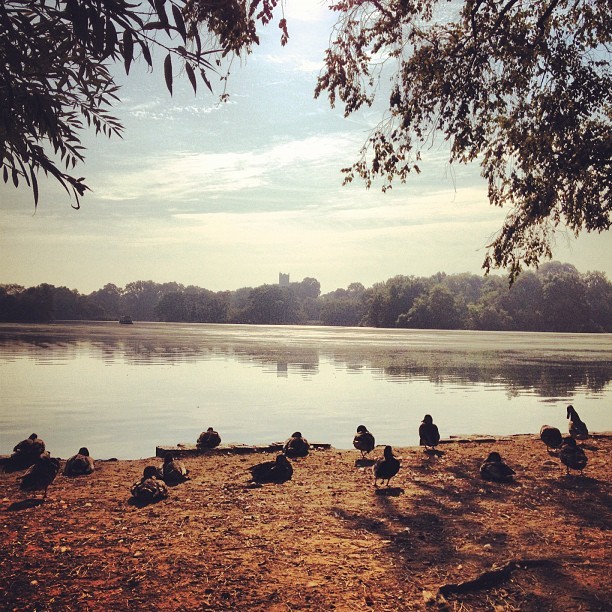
[31, 446]
[429, 436]
[495, 469]
[149, 488]
[278, 471]
[363, 440]
[572, 456]
[209, 439]
[386, 467]
[551, 436]
[296, 446]
[25, 454]
[79, 464]
[173, 470]
[577, 428]
[40, 475]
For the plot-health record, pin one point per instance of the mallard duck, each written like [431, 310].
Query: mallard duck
[296, 446]
[364, 440]
[173, 470]
[280, 470]
[40, 475]
[577, 428]
[31, 446]
[149, 488]
[429, 436]
[80, 464]
[26, 453]
[551, 436]
[209, 439]
[495, 469]
[572, 456]
[386, 467]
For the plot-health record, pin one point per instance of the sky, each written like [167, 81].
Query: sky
[224, 196]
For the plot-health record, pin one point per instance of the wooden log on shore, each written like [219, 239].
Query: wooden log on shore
[186, 450]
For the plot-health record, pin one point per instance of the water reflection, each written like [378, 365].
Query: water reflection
[124, 389]
[544, 364]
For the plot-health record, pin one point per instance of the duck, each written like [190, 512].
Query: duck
[26, 452]
[572, 456]
[280, 470]
[209, 439]
[551, 436]
[577, 428]
[364, 440]
[386, 467]
[296, 446]
[80, 464]
[173, 470]
[429, 436]
[32, 446]
[495, 469]
[149, 488]
[41, 474]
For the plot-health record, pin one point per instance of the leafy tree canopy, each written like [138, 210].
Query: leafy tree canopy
[523, 87]
[54, 68]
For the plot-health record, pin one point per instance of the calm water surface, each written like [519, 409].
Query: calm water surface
[123, 389]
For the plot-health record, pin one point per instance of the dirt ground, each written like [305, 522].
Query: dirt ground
[324, 540]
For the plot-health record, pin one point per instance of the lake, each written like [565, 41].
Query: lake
[123, 389]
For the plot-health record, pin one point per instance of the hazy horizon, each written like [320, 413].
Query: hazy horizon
[227, 196]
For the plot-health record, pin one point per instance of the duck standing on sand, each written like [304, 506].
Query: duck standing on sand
[149, 489]
[296, 446]
[577, 428]
[551, 436]
[173, 470]
[363, 440]
[80, 464]
[495, 469]
[429, 436]
[209, 439]
[40, 475]
[278, 471]
[386, 467]
[572, 456]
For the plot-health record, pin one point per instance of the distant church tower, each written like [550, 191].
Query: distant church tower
[283, 279]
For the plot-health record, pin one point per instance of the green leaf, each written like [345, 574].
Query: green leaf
[168, 72]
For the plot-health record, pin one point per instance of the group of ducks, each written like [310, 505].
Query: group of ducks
[42, 469]
[153, 486]
[493, 468]
[570, 454]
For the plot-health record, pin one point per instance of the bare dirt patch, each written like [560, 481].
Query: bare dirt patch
[324, 540]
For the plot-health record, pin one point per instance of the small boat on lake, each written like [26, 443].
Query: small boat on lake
[126, 320]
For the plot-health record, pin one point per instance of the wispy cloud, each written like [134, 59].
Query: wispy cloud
[179, 176]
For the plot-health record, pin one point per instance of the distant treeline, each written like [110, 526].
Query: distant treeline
[555, 298]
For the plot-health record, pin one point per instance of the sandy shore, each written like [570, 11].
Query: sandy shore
[324, 540]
